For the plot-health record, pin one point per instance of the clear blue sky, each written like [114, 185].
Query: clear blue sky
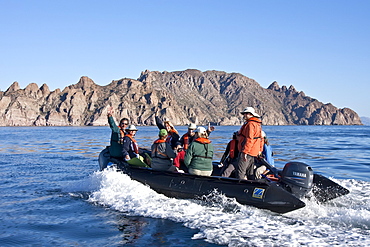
[320, 47]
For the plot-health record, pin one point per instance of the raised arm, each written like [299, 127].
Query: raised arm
[159, 123]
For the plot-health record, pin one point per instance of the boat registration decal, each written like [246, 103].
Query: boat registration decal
[258, 193]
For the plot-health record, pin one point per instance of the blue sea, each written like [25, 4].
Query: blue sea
[52, 193]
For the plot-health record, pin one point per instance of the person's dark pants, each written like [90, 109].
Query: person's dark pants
[229, 167]
[245, 167]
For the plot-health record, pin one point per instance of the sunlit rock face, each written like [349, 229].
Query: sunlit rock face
[182, 97]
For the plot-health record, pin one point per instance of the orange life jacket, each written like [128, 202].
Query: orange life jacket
[157, 142]
[186, 140]
[121, 135]
[160, 141]
[248, 142]
[134, 144]
[169, 136]
[202, 140]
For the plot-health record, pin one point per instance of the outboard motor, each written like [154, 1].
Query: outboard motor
[297, 178]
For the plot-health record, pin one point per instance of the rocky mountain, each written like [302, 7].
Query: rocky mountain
[181, 96]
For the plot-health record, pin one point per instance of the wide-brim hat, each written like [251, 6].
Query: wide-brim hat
[192, 126]
[132, 127]
[201, 130]
[251, 111]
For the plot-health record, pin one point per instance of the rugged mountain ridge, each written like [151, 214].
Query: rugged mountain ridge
[181, 96]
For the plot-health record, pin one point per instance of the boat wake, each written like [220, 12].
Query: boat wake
[220, 201]
[221, 220]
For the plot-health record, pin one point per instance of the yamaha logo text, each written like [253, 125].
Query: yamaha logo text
[299, 174]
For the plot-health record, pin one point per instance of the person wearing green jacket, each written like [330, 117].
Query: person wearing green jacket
[199, 155]
[117, 136]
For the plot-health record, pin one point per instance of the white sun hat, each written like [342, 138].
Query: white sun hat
[132, 127]
[251, 111]
[192, 126]
[201, 130]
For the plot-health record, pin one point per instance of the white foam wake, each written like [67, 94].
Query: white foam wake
[342, 222]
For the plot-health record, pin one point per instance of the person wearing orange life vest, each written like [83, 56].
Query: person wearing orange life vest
[229, 159]
[199, 155]
[162, 153]
[188, 137]
[117, 136]
[130, 148]
[250, 143]
[173, 135]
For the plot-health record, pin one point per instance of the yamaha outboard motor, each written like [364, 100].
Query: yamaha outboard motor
[297, 178]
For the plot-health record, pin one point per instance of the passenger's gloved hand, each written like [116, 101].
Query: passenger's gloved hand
[137, 156]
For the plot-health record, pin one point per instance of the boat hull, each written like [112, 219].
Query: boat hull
[260, 194]
[274, 196]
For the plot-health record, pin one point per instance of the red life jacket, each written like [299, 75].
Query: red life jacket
[232, 148]
[134, 144]
[169, 136]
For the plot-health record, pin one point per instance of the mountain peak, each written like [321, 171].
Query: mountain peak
[85, 83]
[13, 88]
[274, 86]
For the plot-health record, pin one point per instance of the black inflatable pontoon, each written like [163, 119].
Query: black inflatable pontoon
[296, 180]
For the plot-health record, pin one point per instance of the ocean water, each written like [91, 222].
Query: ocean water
[52, 193]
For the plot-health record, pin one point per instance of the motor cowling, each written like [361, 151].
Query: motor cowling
[297, 178]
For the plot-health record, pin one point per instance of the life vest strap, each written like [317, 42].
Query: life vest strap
[200, 156]
[156, 152]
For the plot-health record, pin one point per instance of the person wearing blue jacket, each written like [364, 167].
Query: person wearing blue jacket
[267, 154]
[130, 148]
[267, 150]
